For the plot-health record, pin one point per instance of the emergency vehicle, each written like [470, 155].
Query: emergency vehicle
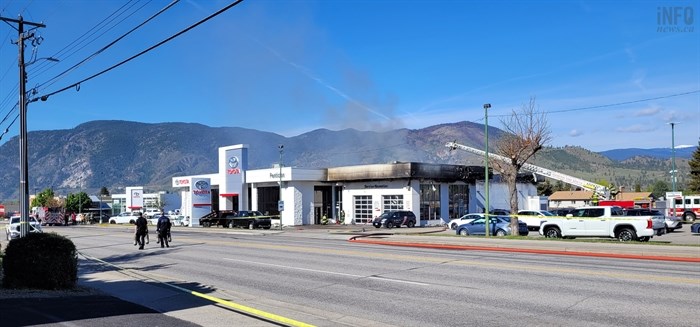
[685, 206]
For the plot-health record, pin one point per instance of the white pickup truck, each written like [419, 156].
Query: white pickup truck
[599, 221]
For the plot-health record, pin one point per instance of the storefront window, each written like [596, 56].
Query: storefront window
[429, 202]
[459, 200]
[363, 209]
[392, 202]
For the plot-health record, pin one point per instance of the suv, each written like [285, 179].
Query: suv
[391, 219]
[150, 212]
[12, 227]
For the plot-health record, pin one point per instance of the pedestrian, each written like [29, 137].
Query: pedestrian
[163, 228]
[141, 230]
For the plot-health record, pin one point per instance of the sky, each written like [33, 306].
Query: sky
[606, 74]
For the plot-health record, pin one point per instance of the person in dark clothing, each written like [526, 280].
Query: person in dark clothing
[141, 230]
[163, 228]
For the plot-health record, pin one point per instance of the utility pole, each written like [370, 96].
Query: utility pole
[23, 157]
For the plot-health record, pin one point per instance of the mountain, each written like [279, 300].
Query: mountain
[116, 154]
[660, 153]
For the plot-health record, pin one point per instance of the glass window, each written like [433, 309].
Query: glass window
[459, 200]
[430, 201]
[392, 202]
[363, 209]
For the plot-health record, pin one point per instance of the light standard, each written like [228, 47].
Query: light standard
[280, 204]
[486, 167]
[673, 166]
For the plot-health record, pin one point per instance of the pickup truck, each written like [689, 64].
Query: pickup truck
[230, 218]
[599, 221]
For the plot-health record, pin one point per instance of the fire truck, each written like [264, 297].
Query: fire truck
[685, 206]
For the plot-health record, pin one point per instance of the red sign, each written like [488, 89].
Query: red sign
[233, 171]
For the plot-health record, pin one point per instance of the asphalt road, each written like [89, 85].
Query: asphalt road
[326, 281]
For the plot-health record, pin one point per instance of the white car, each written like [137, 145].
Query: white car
[150, 212]
[533, 218]
[124, 218]
[12, 227]
[464, 220]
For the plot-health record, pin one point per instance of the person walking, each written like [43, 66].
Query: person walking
[141, 230]
[163, 229]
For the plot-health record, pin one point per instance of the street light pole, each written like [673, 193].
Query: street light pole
[486, 168]
[280, 204]
[673, 166]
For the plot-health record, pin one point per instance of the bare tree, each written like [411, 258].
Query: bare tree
[527, 132]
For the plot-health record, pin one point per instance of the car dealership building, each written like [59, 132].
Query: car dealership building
[350, 195]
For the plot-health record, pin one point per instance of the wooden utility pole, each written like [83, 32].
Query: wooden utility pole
[23, 157]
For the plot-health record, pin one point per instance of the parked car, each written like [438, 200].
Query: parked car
[695, 228]
[499, 212]
[396, 218]
[464, 219]
[673, 223]
[150, 212]
[561, 212]
[12, 228]
[658, 218]
[499, 226]
[248, 219]
[533, 218]
[153, 220]
[124, 218]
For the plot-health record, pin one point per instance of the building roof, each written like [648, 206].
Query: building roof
[406, 170]
[571, 196]
[634, 196]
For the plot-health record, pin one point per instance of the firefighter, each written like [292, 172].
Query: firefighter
[163, 228]
[141, 230]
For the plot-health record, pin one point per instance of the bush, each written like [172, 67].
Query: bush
[40, 261]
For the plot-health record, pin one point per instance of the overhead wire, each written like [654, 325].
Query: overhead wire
[77, 84]
[89, 39]
[109, 45]
[14, 90]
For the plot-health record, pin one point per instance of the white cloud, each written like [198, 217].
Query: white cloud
[575, 133]
[647, 112]
[638, 128]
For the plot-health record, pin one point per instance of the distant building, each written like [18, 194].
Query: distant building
[570, 199]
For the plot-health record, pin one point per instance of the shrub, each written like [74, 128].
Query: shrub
[40, 261]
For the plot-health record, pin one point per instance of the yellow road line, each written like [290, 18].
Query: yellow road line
[236, 306]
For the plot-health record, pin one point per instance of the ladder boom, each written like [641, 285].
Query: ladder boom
[601, 190]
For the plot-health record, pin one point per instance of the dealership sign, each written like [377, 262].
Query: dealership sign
[233, 168]
[201, 192]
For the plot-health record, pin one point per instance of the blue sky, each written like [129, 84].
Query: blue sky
[290, 67]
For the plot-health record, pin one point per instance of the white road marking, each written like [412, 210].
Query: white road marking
[328, 272]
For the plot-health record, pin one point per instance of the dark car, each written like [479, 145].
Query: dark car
[561, 212]
[695, 228]
[247, 219]
[397, 218]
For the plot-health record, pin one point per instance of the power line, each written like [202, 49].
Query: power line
[77, 84]
[55, 78]
[605, 105]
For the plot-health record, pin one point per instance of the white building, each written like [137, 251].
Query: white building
[435, 192]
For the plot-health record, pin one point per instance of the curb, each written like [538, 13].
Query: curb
[529, 251]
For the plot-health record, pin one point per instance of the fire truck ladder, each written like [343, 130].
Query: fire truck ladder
[602, 191]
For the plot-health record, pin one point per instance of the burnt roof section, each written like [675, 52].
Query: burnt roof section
[406, 170]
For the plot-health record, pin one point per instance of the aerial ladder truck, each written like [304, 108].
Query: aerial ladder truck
[601, 191]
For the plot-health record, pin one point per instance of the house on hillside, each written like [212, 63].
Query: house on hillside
[570, 199]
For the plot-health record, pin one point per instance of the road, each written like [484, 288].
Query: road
[327, 281]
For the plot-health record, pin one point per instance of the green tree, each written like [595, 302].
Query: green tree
[104, 191]
[694, 180]
[659, 189]
[45, 198]
[78, 202]
[545, 189]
